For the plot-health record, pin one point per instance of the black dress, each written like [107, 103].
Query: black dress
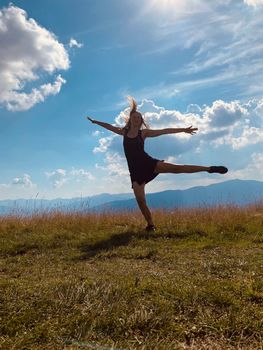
[140, 164]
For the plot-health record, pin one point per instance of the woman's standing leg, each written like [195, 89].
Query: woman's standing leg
[141, 200]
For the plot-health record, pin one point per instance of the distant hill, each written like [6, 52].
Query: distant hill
[237, 192]
[80, 203]
[4, 210]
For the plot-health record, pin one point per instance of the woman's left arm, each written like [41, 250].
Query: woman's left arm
[158, 132]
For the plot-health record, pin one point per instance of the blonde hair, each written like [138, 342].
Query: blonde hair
[133, 108]
[133, 104]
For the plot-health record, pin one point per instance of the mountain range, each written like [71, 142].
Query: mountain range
[234, 192]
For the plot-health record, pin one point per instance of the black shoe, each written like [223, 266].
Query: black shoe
[218, 169]
[150, 228]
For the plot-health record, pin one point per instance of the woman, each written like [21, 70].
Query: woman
[142, 167]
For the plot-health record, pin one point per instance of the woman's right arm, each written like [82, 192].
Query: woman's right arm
[108, 126]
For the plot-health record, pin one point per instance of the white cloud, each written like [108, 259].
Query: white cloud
[236, 59]
[57, 177]
[60, 172]
[19, 187]
[220, 38]
[249, 136]
[74, 42]
[161, 90]
[81, 173]
[194, 108]
[116, 172]
[60, 177]
[253, 170]
[171, 90]
[104, 144]
[4, 185]
[24, 181]
[222, 125]
[149, 106]
[96, 133]
[222, 114]
[171, 159]
[115, 164]
[254, 3]
[28, 51]
[23, 101]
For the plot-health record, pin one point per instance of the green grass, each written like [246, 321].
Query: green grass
[71, 281]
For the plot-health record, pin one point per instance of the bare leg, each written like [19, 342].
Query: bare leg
[141, 200]
[146, 212]
[164, 167]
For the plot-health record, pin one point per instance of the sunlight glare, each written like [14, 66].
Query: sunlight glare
[171, 6]
[167, 4]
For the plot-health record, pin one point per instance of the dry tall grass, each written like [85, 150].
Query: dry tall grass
[98, 281]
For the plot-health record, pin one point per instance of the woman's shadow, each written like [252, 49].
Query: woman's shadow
[118, 240]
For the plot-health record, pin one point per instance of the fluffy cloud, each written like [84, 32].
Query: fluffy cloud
[74, 43]
[222, 125]
[115, 164]
[81, 174]
[22, 101]
[60, 177]
[221, 122]
[114, 171]
[223, 114]
[24, 181]
[194, 108]
[57, 177]
[249, 136]
[104, 142]
[28, 51]
[96, 133]
[253, 170]
[254, 3]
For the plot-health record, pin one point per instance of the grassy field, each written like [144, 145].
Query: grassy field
[72, 281]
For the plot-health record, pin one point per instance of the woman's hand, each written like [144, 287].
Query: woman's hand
[190, 130]
[92, 120]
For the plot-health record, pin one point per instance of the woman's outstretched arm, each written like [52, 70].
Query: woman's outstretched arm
[108, 126]
[154, 133]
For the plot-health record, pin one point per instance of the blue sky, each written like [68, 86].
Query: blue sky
[195, 62]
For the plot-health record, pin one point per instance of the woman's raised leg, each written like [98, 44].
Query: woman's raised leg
[164, 167]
